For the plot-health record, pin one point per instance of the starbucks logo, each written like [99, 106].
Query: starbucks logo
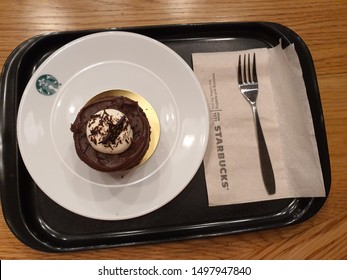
[47, 84]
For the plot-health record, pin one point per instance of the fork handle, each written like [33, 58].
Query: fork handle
[265, 162]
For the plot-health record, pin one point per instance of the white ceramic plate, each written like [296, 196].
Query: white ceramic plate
[84, 68]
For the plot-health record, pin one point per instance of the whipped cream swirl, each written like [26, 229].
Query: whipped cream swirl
[109, 131]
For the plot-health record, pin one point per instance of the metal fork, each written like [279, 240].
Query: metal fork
[248, 84]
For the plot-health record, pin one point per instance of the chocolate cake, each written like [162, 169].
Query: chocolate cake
[111, 134]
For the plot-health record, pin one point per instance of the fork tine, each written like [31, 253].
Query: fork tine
[255, 78]
[245, 80]
[249, 69]
[239, 71]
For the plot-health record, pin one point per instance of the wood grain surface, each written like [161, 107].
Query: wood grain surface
[320, 23]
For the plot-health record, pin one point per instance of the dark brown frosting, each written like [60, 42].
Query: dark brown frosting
[112, 162]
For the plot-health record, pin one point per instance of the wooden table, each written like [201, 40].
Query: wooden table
[322, 25]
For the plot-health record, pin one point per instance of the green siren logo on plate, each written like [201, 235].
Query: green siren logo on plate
[47, 84]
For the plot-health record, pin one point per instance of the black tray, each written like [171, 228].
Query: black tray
[43, 225]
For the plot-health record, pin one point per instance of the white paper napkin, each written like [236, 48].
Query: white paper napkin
[232, 167]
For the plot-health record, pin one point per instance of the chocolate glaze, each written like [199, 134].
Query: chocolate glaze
[112, 162]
